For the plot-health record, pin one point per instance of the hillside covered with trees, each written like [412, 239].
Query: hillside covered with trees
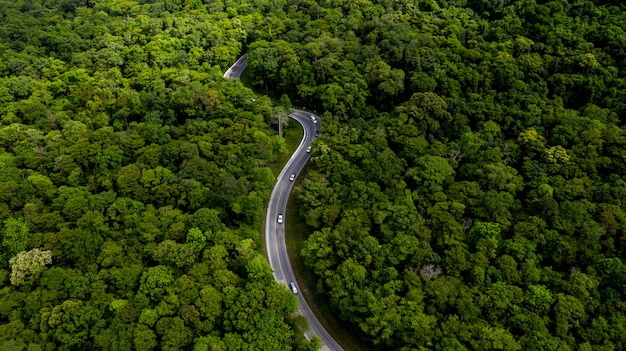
[468, 191]
[133, 179]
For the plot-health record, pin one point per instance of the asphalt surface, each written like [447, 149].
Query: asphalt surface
[275, 232]
[237, 68]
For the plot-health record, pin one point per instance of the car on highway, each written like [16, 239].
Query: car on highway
[292, 177]
[308, 149]
[292, 285]
[280, 219]
[313, 119]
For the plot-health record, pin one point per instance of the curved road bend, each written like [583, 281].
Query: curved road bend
[237, 68]
[275, 232]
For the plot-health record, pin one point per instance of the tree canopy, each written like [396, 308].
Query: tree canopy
[133, 178]
[467, 191]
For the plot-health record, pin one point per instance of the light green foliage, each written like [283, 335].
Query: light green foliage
[148, 317]
[496, 339]
[539, 298]
[155, 280]
[531, 138]
[117, 305]
[15, 237]
[197, 239]
[29, 264]
[557, 154]
[43, 184]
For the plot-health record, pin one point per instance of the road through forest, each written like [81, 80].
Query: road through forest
[275, 232]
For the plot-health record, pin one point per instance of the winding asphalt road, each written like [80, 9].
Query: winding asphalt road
[274, 231]
[237, 68]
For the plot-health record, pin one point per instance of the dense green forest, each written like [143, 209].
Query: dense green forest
[132, 183]
[468, 191]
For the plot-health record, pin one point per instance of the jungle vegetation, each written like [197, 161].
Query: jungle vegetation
[467, 191]
[133, 179]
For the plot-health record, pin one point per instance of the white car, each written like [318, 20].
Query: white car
[280, 219]
[292, 177]
[292, 285]
[308, 149]
[313, 119]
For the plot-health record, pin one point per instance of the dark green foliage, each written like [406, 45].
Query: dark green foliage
[470, 170]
